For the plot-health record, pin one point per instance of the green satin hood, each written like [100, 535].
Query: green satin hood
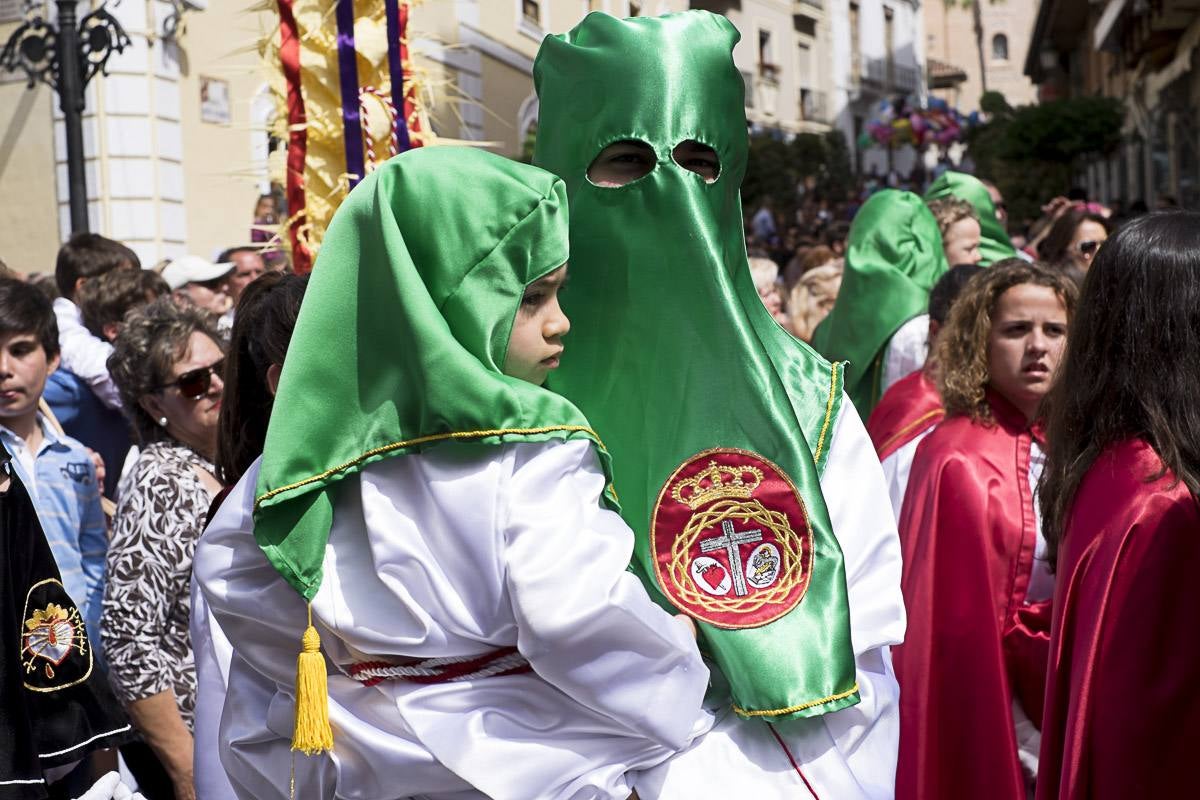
[893, 258]
[403, 333]
[671, 351]
[994, 243]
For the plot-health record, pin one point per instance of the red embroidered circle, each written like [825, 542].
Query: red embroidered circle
[731, 540]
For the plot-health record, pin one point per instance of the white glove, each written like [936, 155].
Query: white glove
[110, 788]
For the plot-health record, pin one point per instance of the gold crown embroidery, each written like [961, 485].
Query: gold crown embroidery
[717, 482]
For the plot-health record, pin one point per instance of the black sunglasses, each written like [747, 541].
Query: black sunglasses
[1089, 247]
[195, 383]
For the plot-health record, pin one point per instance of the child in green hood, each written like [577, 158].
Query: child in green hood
[446, 520]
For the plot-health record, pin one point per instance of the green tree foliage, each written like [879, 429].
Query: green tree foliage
[1032, 152]
[776, 168]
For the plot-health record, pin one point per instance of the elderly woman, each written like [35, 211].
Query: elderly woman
[167, 362]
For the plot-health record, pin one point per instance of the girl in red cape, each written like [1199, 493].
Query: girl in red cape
[972, 666]
[1121, 496]
[912, 407]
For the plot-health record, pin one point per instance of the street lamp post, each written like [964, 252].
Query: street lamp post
[66, 58]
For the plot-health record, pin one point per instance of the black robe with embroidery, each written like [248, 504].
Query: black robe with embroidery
[55, 705]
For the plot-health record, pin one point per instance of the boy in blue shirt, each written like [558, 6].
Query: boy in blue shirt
[56, 469]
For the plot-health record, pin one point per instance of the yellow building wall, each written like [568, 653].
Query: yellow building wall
[29, 237]
[950, 37]
[219, 172]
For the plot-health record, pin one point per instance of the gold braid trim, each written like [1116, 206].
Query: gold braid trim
[436, 437]
[828, 412]
[793, 709]
[910, 427]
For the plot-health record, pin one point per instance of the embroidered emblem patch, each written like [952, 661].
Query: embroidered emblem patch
[731, 540]
[55, 652]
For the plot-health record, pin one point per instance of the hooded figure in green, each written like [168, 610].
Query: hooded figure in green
[717, 419]
[893, 258]
[994, 243]
[443, 520]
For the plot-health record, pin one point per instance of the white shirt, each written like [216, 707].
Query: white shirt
[906, 351]
[457, 551]
[84, 355]
[1041, 579]
[897, 467]
[848, 754]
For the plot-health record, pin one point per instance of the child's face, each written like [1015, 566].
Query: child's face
[961, 242]
[536, 342]
[23, 371]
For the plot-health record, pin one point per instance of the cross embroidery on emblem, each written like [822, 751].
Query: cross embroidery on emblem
[730, 542]
[731, 538]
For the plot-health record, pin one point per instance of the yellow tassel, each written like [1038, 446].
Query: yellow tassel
[312, 733]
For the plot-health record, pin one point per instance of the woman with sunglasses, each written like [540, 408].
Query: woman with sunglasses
[1074, 239]
[167, 362]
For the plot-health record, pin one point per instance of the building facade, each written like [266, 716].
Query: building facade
[878, 54]
[1147, 55]
[174, 138]
[176, 135]
[1006, 28]
[785, 59]
[477, 57]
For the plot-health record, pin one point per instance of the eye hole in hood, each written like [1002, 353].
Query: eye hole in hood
[622, 163]
[699, 158]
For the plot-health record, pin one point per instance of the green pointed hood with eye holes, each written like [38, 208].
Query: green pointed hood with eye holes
[672, 355]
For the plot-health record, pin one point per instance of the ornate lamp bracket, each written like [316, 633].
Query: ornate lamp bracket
[33, 47]
[100, 35]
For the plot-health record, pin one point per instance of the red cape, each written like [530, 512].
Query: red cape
[907, 409]
[1122, 711]
[968, 534]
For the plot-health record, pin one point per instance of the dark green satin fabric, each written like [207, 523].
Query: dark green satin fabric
[994, 243]
[403, 333]
[893, 258]
[671, 350]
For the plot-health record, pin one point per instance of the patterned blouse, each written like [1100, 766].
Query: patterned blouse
[160, 516]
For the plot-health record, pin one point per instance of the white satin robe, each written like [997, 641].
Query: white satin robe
[845, 755]
[849, 754]
[897, 468]
[457, 551]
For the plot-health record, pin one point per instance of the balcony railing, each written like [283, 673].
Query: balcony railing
[888, 76]
[814, 106]
[906, 78]
[876, 74]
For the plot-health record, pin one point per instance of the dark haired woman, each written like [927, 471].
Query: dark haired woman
[971, 669]
[262, 328]
[1121, 496]
[266, 315]
[1074, 239]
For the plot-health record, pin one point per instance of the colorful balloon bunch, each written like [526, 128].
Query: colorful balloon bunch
[899, 124]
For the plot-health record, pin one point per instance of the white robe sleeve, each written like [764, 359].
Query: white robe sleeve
[848, 754]
[906, 351]
[212, 655]
[609, 647]
[896, 469]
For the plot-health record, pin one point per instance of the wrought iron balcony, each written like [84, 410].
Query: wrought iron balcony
[814, 106]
